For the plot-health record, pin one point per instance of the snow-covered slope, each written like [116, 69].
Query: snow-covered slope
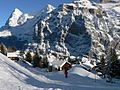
[13, 76]
[5, 33]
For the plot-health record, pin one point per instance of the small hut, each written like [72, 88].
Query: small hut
[60, 65]
[13, 56]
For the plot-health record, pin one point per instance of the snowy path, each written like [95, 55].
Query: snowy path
[13, 74]
[15, 77]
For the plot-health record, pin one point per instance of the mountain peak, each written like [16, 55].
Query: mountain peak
[12, 20]
[16, 10]
[48, 8]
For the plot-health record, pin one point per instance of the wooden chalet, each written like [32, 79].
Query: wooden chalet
[59, 65]
[13, 56]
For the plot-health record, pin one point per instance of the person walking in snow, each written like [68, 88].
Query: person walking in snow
[66, 72]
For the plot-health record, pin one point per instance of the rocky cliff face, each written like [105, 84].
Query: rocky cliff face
[78, 29]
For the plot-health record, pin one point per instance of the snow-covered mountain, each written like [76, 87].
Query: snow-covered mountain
[79, 28]
[20, 27]
[13, 20]
[17, 18]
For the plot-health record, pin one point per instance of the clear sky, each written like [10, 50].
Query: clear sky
[26, 6]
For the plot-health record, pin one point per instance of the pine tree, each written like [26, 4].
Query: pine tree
[22, 54]
[102, 65]
[3, 49]
[36, 60]
[28, 57]
[45, 61]
[114, 63]
[12, 49]
[113, 55]
[102, 61]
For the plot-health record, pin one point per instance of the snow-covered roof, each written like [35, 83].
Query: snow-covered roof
[12, 54]
[55, 62]
[64, 63]
[58, 63]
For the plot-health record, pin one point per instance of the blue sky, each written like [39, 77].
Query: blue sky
[26, 6]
